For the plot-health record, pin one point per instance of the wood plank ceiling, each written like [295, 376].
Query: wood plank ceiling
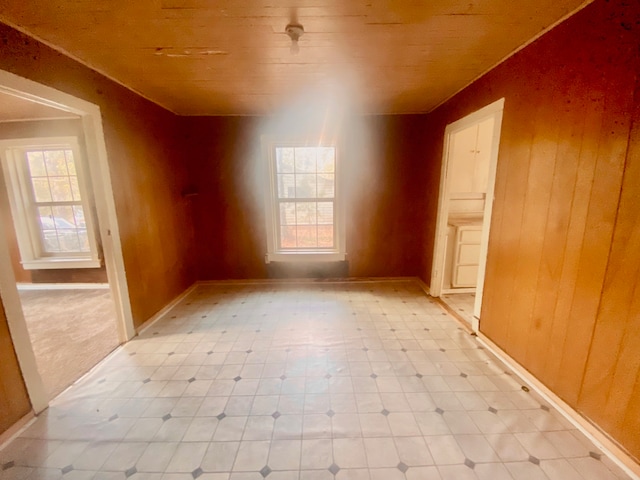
[230, 57]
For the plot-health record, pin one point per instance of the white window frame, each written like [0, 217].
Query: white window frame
[21, 200]
[274, 254]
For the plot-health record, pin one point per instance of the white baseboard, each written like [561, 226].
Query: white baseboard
[454, 291]
[593, 433]
[62, 286]
[164, 310]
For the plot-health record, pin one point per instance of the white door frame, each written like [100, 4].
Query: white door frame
[98, 163]
[437, 270]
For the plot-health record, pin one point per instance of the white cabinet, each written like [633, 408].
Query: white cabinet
[470, 155]
[466, 256]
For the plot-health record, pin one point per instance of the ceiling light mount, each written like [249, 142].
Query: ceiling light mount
[295, 31]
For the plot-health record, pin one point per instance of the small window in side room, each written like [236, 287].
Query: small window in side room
[48, 198]
[304, 209]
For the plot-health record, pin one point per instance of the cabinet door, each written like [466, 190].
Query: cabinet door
[467, 256]
[463, 159]
[465, 276]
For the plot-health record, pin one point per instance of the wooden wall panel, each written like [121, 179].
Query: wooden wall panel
[14, 401]
[382, 158]
[385, 185]
[226, 175]
[569, 100]
[148, 172]
[611, 389]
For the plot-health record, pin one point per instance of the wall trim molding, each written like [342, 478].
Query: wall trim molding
[166, 309]
[16, 429]
[601, 440]
[421, 283]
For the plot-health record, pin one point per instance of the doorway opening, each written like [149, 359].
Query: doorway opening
[464, 211]
[64, 291]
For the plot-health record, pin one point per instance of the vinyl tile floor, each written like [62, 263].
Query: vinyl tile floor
[462, 304]
[321, 381]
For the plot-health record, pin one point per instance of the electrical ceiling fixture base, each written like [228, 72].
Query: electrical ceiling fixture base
[295, 31]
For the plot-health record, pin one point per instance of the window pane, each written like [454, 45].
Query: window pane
[287, 213]
[287, 237]
[84, 240]
[41, 189]
[78, 214]
[306, 213]
[286, 186]
[326, 160]
[45, 216]
[50, 242]
[325, 236]
[326, 185]
[36, 164]
[60, 189]
[71, 164]
[69, 241]
[59, 231]
[47, 225]
[307, 237]
[325, 213]
[306, 186]
[56, 163]
[305, 160]
[63, 216]
[75, 189]
[284, 160]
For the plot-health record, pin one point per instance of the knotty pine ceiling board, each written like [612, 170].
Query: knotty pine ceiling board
[231, 57]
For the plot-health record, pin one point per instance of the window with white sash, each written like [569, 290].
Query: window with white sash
[304, 210]
[48, 198]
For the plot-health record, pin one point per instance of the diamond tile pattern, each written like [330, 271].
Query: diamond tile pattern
[362, 380]
[265, 471]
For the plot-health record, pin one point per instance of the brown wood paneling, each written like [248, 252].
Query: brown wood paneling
[568, 112]
[227, 177]
[561, 329]
[610, 392]
[14, 401]
[556, 230]
[600, 219]
[385, 188]
[146, 151]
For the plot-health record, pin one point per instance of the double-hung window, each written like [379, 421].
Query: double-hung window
[303, 205]
[49, 203]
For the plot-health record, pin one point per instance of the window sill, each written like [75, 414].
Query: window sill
[305, 257]
[61, 263]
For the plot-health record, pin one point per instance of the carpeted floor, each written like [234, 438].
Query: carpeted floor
[71, 331]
